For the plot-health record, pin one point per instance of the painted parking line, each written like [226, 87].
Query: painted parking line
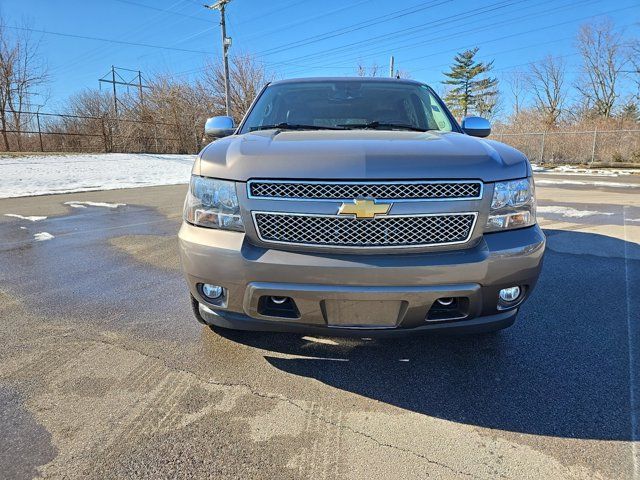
[633, 337]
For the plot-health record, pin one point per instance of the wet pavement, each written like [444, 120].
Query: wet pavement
[104, 373]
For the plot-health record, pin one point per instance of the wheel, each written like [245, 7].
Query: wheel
[195, 307]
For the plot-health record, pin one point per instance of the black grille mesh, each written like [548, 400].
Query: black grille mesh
[387, 231]
[380, 191]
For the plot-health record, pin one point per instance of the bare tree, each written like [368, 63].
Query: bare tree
[546, 80]
[179, 108]
[247, 77]
[92, 114]
[603, 59]
[21, 74]
[91, 103]
[8, 54]
[634, 55]
[516, 80]
[371, 71]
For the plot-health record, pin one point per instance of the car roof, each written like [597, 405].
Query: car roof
[346, 79]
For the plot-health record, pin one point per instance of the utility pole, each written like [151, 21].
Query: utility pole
[115, 97]
[391, 60]
[226, 43]
[140, 86]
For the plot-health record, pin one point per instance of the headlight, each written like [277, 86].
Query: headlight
[213, 203]
[513, 205]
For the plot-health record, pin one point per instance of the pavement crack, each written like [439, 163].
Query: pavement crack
[281, 398]
[376, 441]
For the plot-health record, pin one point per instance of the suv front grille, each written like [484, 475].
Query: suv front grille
[383, 231]
[409, 190]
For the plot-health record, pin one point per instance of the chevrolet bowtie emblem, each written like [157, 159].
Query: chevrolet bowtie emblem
[363, 208]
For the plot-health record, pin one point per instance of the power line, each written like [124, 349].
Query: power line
[354, 27]
[456, 34]
[433, 23]
[265, 33]
[339, 32]
[172, 12]
[504, 37]
[440, 22]
[108, 40]
[97, 51]
[273, 11]
[490, 26]
[508, 67]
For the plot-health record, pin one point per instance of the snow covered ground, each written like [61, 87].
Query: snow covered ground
[569, 211]
[594, 183]
[22, 176]
[573, 170]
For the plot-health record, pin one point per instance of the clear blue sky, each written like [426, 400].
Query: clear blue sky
[302, 38]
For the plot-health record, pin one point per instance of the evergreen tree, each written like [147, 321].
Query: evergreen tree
[472, 90]
[630, 111]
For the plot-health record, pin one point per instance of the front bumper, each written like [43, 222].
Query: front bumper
[325, 285]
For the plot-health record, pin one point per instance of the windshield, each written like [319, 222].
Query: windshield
[348, 104]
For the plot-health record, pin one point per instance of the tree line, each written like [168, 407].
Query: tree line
[170, 114]
[167, 117]
[606, 91]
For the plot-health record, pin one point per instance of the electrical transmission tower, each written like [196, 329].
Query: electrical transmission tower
[226, 43]
[114, 77]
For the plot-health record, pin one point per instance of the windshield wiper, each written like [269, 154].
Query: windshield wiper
[295, 126]
[376, 125]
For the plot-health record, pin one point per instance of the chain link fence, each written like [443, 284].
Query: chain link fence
[54, 132]
[578, 147]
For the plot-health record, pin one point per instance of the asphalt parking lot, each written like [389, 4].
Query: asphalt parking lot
[104, 372]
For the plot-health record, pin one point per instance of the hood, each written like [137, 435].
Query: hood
[359, 155]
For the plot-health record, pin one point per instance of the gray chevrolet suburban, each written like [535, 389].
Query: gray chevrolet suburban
[358, 206]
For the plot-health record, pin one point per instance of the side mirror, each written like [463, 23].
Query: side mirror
[218, 127]
[476, 126]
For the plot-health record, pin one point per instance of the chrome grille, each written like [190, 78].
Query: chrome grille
[384, 231]
[414, 190]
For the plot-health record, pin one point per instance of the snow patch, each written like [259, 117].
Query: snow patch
[595, 184]
[84, 204]
[31, 218]
[42, 236]
[573, 170]
[538, 168]
[46, 174]
[570, 212]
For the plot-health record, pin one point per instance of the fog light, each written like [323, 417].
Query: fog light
[510, 294]
[211, 291]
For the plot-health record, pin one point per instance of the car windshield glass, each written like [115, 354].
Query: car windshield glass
[348, 104]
